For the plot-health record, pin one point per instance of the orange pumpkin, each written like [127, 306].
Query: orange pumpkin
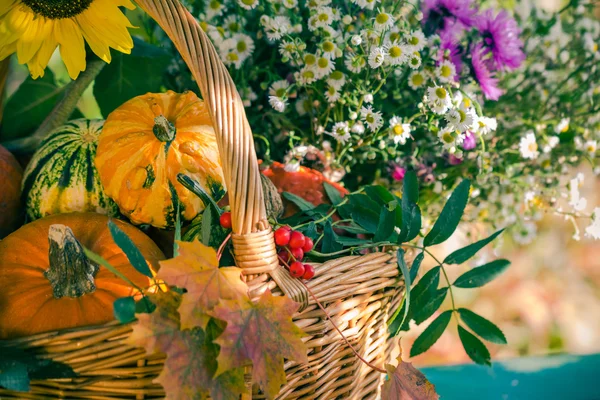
[145, 144]
[11, 175]
[47, 283]
[306, 183]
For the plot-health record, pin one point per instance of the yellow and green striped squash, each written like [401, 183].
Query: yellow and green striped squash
[61, 176]
[145, 144]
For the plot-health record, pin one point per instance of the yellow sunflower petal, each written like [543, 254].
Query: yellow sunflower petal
[108, 25]
[31, 39]
[14, 24]
[6, 5]
[39, 62]
[7, 49]
[72, 48]
[126, 4]
[95, 39]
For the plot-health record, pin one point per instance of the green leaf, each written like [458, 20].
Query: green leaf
[144, 306]
[177, 237]
[431, 334]
[129, 248]
[474, 347]
[27, 108]
[428, 305]
[130, 75]
[427, 285]
[386, 224]
[353, 228]
[414, 269]
[302, 204]
[311, 231]
[411, 213]
[407, 283]
[481, 326]
[461, 255]
[124, 309]
[366, 218]
[332, 193]
[450, 216]
[330, 240]
[379, 193]
[481, 275]
[194, 187]
[350, 241]
[101, 261]
[207, 222]
[362, 200]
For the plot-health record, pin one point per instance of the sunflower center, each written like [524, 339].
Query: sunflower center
[58, 9]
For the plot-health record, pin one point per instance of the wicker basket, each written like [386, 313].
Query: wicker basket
[358, 292]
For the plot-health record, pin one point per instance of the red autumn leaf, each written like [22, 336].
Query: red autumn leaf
[262, 333]
[191, 362]
[405, 382]
[197, 270]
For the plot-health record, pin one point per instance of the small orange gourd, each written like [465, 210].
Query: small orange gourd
[47, 283]
[145, 144]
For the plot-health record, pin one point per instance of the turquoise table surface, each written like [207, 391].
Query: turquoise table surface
[568, 377]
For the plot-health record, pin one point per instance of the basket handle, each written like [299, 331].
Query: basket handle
[254, 247]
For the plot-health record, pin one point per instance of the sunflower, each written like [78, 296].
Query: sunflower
[34, 28]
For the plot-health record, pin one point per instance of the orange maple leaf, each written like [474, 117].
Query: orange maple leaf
[405, 382]
[196, 269]
[263, 333]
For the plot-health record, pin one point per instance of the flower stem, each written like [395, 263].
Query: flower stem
[61, 111]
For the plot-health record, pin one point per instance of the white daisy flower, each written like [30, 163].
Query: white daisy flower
[414, 61]
[332, 94]
[287, 48]
[485, 125]
[289, 4]
[575, 200]
[306, 75]
[384, 21]
[324, 66]
[416, 80]
[356, 40]
[591, 146]
[324, 17]
[310, 60]
[397, 53]
[377, 57]
[526, 233]
[340, 132]
[461, 118]
[528, 146]
[358, 128]
[368, 98]
[329, 49]
[337, 79]
[213, 8]
[593, 230]
[367, 4]
[248, 4]
[234, 23]
[553, 141]
[355, 63]
[229, 55]
[438, 99]
[373, 119]
[244, 45]
[399, 131]
[450, 139]
[279, 88]
[445, 72]
[303, 105]
[276, 28]
[416, 40]
[562, 126]
[277, 103]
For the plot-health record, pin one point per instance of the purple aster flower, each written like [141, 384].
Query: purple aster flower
[438, 13]
[501, 37]
[486, 79]
[450, 41]
[470, 141]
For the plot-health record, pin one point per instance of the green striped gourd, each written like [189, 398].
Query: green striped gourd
[61, 177]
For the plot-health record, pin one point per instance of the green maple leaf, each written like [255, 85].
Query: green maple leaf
[262, 333]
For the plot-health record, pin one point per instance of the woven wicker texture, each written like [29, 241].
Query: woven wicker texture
[358, 292]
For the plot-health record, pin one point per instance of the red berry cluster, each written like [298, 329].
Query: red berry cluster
[293, 246]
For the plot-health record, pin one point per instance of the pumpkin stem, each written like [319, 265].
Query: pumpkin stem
[163, 129]
[71, 273]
